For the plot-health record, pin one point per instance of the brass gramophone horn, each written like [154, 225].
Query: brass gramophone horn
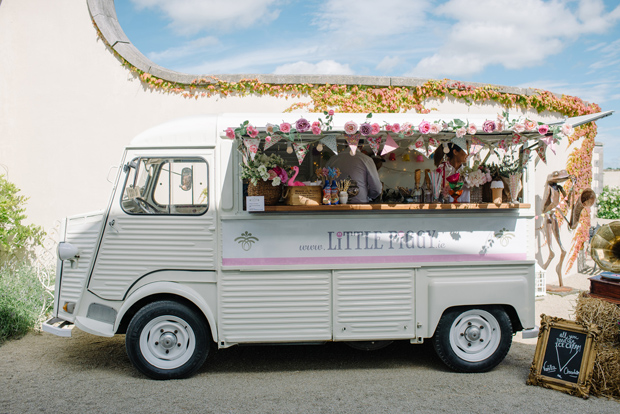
[605, 247]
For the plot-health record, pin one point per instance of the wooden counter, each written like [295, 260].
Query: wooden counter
[398, 207]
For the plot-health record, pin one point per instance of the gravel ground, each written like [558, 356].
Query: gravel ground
[44, 373]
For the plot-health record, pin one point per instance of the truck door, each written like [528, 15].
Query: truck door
[161, 218]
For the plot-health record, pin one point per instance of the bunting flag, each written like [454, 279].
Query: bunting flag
[375, 143]
[432, 146]
[330, 142]
[476, 146]
[390, 145]
[502, 145]
[525, 156]
[252, 146]
[301, 151]
[549, 142]
[541, 153]
[352, 141]
[271, 140]
[516, 138]
[460, 141]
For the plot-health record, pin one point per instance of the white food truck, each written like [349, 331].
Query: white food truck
[178, 263]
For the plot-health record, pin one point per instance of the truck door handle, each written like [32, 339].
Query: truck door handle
[111, 224]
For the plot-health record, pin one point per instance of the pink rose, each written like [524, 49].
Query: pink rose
[461, 132]
[519, 128]
[267, 139]
[316, 130]
[302, 125]
[331, 112]
[435, 129]
[419, 143]
[396, 128]
[543, 129]
[350, 128]
[376, 128]
[407, 129]
[488, 126]
[316, 123]
[253, 132]
[285, 127]
[253, 149]
[388, 127]
[471, 129]
[424, 127]
[567, 130]
[365, 129]
[530, 125]
[230, 133]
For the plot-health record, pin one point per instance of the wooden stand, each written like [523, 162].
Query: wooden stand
[605, 289]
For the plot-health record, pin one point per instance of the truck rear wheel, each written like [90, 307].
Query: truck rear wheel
[167, 340]
[473, 339]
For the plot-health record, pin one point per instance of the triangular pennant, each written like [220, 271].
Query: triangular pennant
[271, 140]
[502, 144]
[252, 145]
[301, 151]
[330, 142]
[541, 153]
[461, 142]
[352, 141]
[390, 145]
[375, 143]
[476, 146]
[516, 138]
[432, 146]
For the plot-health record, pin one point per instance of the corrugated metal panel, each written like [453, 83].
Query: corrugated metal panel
[275, 307]
[138, 245]
[374, 304]
[82, 232]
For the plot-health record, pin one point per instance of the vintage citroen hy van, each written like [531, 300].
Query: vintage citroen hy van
[178, 263]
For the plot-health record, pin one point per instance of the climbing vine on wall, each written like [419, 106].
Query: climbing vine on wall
[366, 99]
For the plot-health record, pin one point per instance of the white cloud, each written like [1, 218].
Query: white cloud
[388, 63]
[191, 48]
[509, 33]
[324, 67]
[192, 16]
[355, 22]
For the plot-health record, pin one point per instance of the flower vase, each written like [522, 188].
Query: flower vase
[513, 186]
[344, 197]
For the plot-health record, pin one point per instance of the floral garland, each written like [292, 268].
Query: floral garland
[363, 98]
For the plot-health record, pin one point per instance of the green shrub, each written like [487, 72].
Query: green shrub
[25, 299]
[16, 238]
[609, 203]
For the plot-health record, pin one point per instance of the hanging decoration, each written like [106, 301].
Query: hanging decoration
[352, 141]
[301, 151]
[375, 143]
[390, 145]
[271, 140]
[251, 144]
[541, 153]
[330, 142]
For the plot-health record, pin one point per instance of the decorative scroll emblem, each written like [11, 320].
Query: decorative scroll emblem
[504, 237]
[246, 240]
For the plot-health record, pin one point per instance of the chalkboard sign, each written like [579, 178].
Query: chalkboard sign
[564, 357]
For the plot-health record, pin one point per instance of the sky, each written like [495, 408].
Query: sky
[565, 46]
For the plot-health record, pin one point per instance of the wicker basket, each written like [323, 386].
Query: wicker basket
[475, 195]
[264, 188]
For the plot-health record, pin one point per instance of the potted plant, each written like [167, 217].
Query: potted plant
[264, 174]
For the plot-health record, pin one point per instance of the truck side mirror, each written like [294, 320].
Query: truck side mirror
[186, 179]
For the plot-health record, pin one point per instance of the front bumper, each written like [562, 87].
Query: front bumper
[530, 333]
[58, 327]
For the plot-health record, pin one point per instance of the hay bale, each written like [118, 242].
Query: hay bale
[606, 376]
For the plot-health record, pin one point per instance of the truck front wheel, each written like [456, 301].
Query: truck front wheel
[167, 340]
[473, 339]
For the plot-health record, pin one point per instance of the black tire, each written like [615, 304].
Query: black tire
[473, 339]
[167, 340]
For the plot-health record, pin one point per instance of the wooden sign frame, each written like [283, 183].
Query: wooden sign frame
[582, 386]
